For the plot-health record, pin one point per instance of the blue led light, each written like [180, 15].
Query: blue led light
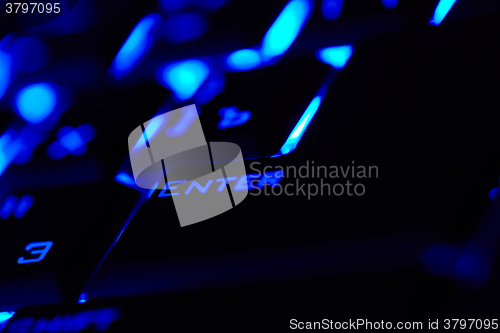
[5, 68]
[23, 205]
[3, 162]
[71, 141]
[5, 159]
[390, 3]
[231, 117]
[331, 9]
[8, 206]
[129, 218]
[185, 78]
[83, 298]
[124, 178]
[336, 56]
[5, 317]
[285, 28]
[36, 102]
[9, 149]
[300, 128]
[442, 9]
[243, 60]
[135, 46]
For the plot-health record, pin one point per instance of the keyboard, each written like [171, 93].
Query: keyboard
[368, 137]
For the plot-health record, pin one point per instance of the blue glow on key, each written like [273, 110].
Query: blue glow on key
[186, 77]
[285, 29]
[135, 46]
[5, 317]
[5, 68]
[336, 56]
[390, 3]
[124, 178]
[244, 60]
[442, 9]
[36, 102]
[331, 9]
[83, 298]
[3, 162]
[71, 141]
[23, 205]
[301, 127]
[231, 116]
[4, 139]
[8, 207]
[9, 149]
